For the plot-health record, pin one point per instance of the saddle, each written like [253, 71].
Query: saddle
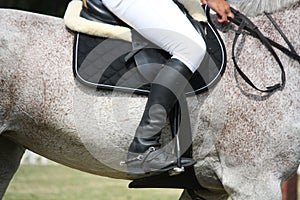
[129, 63]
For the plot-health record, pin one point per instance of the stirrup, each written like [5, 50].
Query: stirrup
[140, 168]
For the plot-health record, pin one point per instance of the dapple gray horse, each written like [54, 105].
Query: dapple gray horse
[246, 143]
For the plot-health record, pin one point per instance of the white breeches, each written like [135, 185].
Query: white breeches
[164, 24]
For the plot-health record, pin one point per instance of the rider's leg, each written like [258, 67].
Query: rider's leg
[165, 90]
[164, 24]
[161, 22]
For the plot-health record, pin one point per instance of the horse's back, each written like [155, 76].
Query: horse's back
[32, 42]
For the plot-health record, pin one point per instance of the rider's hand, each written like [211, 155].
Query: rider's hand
[221, 7]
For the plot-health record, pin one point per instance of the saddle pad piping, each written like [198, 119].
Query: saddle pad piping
[221, 69]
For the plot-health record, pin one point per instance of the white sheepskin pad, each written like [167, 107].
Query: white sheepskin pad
[76, 23]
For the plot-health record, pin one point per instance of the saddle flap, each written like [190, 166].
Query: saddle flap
[95, 10]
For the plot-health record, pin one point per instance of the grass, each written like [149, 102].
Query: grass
[56, 182]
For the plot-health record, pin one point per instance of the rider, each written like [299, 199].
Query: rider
[164, 24]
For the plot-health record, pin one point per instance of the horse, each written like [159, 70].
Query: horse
[246, 143]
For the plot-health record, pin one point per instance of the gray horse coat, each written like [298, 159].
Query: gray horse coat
[246, 143]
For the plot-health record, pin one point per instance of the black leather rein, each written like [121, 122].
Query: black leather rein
[245, 23]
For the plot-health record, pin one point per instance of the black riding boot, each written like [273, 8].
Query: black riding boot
[145, 154]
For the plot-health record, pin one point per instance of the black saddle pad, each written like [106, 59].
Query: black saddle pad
[103, 63]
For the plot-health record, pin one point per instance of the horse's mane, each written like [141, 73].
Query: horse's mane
[256, 7]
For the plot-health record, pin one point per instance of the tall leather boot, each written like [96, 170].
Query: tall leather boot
[145, 154]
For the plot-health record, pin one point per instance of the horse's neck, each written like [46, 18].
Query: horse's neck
[256, 7]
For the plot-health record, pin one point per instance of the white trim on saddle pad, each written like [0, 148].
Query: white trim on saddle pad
[76, 23]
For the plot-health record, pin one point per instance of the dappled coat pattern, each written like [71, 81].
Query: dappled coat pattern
[246, 143]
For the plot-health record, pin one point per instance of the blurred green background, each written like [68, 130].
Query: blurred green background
[57, 182]
[49, 7]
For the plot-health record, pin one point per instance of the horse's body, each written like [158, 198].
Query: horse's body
[245, 144]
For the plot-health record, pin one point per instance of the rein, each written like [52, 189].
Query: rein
[245, 23]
